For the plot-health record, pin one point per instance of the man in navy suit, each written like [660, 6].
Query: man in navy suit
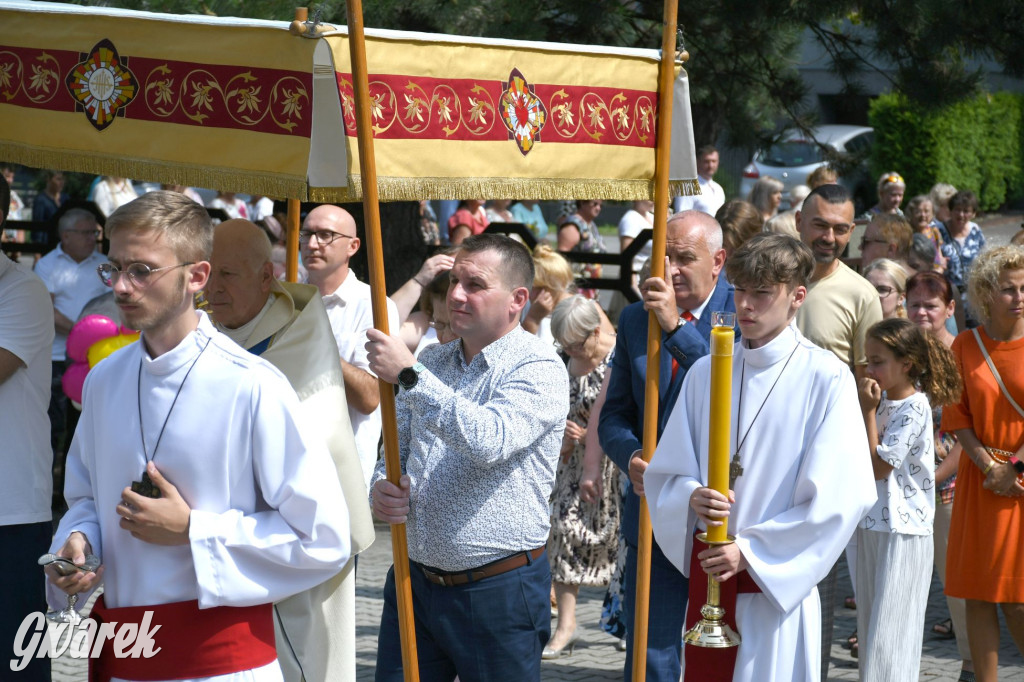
[683, 303]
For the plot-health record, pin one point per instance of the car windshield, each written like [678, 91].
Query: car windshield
[792, 153]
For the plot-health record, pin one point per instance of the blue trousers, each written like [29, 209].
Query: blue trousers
[666, 616]
[492, 630]
[23, 592]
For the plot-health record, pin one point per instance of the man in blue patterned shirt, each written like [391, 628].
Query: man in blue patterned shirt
[480, 423]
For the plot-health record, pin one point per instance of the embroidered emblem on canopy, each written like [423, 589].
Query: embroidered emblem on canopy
[102, 84]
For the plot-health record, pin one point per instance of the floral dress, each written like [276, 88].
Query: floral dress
[961, 257]
[583, 544]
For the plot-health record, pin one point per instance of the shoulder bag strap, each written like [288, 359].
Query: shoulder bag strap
[999, 379]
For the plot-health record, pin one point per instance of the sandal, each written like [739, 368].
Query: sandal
[850, 603]
[966, 676]
[944, 629]
[855, 650]
[851, 641]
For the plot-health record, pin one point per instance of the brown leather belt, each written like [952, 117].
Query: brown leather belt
[486, 571]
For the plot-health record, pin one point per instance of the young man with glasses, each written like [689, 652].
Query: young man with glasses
[190, 475]
[69, 273]
[328, 240]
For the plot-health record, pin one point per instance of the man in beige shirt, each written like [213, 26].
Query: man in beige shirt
[841, 305]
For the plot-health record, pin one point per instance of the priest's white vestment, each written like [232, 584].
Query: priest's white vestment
[268, 514]
[806, 483]
[315, 630]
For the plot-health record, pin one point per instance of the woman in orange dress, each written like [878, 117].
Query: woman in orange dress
[985, 559]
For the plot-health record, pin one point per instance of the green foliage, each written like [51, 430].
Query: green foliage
[973, 144]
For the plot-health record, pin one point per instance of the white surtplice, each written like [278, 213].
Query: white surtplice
[806, 483]
[268, 515]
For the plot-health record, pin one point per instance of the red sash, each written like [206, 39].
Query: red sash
[703, 664]
[192, 642]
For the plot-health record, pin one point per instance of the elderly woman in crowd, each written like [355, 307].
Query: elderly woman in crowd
[921, 212]
[584, 535]
[930, 305]
[962, 242]
[985, 560]
[766, 195]
[940, 194]
[890, 281]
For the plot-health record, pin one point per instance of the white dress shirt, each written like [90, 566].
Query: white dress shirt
[351, 314]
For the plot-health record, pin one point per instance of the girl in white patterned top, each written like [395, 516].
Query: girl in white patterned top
[906, 368]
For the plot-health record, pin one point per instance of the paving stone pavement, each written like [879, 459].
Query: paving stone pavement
[595, 658]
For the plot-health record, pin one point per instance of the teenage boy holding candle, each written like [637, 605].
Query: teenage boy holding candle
[792, 508]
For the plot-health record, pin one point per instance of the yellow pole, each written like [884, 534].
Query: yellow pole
[722, 339]
[375, 260]
[666, 77]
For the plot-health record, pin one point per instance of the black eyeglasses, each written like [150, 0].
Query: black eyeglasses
[324, 237]
[138, 273]
[884, 291]
[865, 241]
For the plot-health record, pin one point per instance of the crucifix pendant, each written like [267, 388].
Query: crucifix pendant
[735, 470]
[145, 487]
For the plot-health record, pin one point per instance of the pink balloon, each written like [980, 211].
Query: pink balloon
[74, 380]
[87, 331]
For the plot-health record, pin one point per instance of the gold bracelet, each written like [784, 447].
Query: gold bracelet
[988, 467]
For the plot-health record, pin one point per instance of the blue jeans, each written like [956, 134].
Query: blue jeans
[23, 592]
[492, 630]
[666, 616]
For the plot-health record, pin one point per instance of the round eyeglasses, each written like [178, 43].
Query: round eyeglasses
[324, 237]
[138, 273]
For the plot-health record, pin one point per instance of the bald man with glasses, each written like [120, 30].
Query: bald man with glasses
[329, 241]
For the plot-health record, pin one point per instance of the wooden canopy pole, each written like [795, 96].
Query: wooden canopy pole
[666, 77]
[291, 263]
[375, 261]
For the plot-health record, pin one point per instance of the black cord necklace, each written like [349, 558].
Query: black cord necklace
[145, 487]
[735, 469]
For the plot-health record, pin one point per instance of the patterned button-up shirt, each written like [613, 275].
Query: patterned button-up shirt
[480, 443]
[961, 256]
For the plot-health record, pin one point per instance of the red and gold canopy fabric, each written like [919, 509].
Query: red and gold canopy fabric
[243, 105]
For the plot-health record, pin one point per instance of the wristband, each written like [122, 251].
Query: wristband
[1017, 464]
[988, 467]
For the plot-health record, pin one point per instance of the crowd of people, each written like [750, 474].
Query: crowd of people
[226, 468]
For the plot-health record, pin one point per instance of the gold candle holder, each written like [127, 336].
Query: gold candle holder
[711, 631]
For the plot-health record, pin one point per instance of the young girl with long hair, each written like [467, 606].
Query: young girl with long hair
[908, 370]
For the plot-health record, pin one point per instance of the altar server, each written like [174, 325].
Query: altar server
[802, 482]
[191, 475]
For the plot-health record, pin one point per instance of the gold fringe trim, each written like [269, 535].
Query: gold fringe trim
[249, 182]
[291, 187]
[542, 189]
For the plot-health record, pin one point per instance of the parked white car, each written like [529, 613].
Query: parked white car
[791, 160]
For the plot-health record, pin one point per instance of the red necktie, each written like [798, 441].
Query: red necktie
[688, 316]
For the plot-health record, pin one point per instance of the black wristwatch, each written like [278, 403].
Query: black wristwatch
[408, 377]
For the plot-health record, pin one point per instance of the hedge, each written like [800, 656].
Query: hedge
[975, 144]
